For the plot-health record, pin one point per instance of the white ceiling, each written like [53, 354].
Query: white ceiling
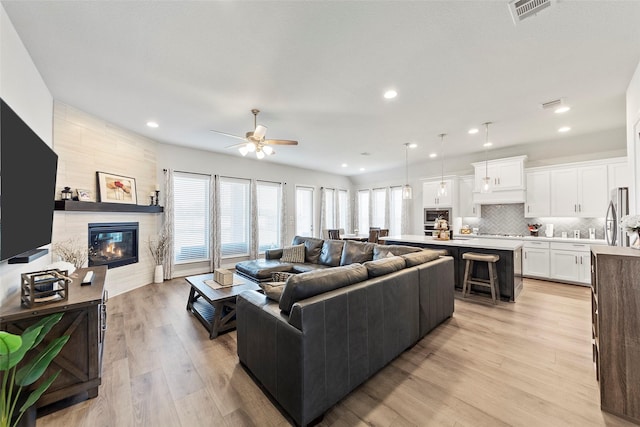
[318, 69]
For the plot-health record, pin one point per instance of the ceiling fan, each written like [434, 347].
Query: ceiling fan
[254, 141]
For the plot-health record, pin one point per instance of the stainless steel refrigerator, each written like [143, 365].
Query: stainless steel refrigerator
[618, 207]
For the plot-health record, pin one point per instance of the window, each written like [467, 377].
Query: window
[269, 204]
[191, 223]
[234, 217]
[378, 206]
[363, 211]
[329, 207]
[343, 210]
[395, 211]
[304, 211]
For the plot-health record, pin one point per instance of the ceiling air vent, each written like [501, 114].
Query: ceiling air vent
[551, 104]
[523, 9]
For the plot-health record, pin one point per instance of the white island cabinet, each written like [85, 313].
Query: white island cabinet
[570, 262]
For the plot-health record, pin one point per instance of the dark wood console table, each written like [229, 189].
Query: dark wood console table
[84, 320]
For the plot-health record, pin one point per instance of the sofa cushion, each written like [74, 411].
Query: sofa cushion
[303, 268]
[261, 269]
[380, 267]
[312, 247]
[331, 253]
[280, 276]
[383, 251]
[273, 290]
[354, 251]
[416, 258]
[306, 285]
[293, 253]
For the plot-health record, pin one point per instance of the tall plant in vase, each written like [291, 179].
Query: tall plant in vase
[158, 249]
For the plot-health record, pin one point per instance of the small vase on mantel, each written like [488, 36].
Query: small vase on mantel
[635, 239]
[158, 274]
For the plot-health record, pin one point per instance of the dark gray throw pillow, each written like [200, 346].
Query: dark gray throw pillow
[380, 267]
[355, 251]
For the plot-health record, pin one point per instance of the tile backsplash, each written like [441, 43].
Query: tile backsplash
[509, 219]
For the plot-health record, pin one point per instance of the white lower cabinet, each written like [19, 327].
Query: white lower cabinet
[570, 262]
[535, 259]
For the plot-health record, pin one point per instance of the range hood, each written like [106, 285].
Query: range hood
[500, 197]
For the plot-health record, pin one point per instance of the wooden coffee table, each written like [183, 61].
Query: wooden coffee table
[216, 308]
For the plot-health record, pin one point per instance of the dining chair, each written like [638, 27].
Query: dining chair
[374, 233]
[334, 234]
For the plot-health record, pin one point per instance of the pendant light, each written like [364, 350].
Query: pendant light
[486, 181]
[442, 191]
[407, 191]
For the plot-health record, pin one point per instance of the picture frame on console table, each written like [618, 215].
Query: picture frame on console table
[114, 188]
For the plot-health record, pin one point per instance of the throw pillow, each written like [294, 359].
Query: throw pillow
[293, 253]
[280, 276]
[273, 290]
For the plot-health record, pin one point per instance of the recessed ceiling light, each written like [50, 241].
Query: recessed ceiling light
[564, 129]
[152, 124]
[433, 155]
[390, 94]
[344, 165]
[413, 145]
[473, 130]
[562, 109]
[362, 169]
[487, 144]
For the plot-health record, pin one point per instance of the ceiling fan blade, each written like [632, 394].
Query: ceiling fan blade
[259, 132]
[228, 134]
[240, 144]
[280, 142]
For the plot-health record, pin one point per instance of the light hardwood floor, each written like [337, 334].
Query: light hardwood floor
[524, 364]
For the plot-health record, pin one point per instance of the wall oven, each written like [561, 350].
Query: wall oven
[432, 215]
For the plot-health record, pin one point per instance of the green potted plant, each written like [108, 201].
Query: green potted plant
[14, 380]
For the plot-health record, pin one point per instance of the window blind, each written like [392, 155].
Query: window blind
[269, 203]
[234, 217]
[191, 217]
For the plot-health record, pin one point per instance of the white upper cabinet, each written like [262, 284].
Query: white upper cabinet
[465, 201]
[619, 174]
[505, 174]
[579, 191]
[433, 198]
[538, 187]
[506, 180]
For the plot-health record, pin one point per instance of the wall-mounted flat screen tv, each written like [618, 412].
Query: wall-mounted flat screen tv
[28, 169]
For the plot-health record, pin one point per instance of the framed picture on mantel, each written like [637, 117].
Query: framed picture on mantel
[116, 188]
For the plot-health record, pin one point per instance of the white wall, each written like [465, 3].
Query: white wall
[233, 165]
[633, 140]
[600, 145]
[24, 90]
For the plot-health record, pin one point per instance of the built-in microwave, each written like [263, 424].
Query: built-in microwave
[432, 215]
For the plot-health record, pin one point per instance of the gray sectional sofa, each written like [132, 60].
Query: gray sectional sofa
[336, 326]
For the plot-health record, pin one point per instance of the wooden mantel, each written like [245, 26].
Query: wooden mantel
[76, 206]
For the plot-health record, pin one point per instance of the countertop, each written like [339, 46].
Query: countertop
[533, 238]
[466, 242]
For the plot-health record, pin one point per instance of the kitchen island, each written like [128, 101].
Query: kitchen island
[509, 266]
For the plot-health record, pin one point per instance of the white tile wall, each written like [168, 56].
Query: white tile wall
[85, 145]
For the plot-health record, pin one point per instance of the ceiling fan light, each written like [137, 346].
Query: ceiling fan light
[260, 132]
[251, 147]
[243, 150]
[268, 150]
[260, 154]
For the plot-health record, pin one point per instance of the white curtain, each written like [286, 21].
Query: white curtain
[167, 227]
[405, 217]
[323, 216]
[348, 227]
[283, 215]
[356, 214]
[215, 248]
[387, 208]
[254, 239]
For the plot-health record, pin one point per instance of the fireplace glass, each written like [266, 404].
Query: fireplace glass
[113, 244]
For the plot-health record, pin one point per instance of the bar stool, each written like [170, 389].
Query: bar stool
[491, 283]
